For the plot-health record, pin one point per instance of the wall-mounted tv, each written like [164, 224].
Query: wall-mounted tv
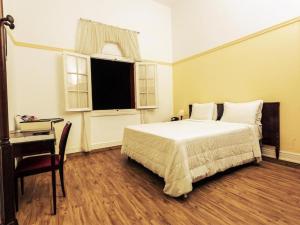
[112, 84]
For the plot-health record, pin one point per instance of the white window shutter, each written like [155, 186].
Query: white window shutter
[77, 77]
[146, 85]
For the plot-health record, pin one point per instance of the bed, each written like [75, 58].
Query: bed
[187, 151]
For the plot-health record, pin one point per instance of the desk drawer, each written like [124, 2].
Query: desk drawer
[33, 148]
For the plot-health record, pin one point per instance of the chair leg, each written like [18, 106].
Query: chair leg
[16, 194]
[54, 191]
[22, 185]
[61, 174]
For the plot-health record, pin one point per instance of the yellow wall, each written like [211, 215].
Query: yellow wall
[263, 67]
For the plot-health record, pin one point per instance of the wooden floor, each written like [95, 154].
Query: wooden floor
[106, 188]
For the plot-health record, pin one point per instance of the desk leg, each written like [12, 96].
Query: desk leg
[53, 179]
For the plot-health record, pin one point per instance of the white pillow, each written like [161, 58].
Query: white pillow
[247, 112]
[259, 113]
[206, 111]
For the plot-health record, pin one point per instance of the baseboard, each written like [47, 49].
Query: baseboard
[104, 145]
[73, 149]
[75, 154]
[269, 151]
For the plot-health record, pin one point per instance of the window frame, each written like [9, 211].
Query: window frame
[137, 86]
[89, 84]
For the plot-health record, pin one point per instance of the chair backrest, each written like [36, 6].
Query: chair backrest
[63, 141]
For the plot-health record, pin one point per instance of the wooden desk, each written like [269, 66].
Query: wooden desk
[32, 143]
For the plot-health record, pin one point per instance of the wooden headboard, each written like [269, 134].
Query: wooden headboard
[270, 123]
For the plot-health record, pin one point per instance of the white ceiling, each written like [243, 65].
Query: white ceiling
[167, 2]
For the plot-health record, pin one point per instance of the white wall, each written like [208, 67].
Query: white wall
[199, 25]
[35, 76]
[11, 84]
[54, 22]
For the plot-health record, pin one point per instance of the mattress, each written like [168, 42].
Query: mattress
[187, 151]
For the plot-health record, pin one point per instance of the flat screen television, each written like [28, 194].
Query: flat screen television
[112, 84]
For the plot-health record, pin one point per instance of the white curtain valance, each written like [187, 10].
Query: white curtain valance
[92, 36]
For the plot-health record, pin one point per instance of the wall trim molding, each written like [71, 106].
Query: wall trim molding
[35, 46]
[58, 49]
[269, 151]
[209, 51]
[238, 41]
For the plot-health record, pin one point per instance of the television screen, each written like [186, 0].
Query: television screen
[112, 84]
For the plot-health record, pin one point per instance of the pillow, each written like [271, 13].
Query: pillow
[259, 113]
[247, 112]
[206, 111]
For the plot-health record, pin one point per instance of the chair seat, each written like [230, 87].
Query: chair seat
[36, 163]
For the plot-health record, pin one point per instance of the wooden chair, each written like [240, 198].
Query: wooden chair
[40, 164]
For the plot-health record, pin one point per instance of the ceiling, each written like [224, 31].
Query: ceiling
[167, 2]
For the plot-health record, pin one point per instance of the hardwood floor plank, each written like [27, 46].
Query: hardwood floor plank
[106, 188]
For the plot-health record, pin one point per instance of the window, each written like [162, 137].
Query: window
[113, 84]
[146, 96]
[77, 82]
[111, 49]
[117, 84]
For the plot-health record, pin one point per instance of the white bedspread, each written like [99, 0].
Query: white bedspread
[186, 151]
